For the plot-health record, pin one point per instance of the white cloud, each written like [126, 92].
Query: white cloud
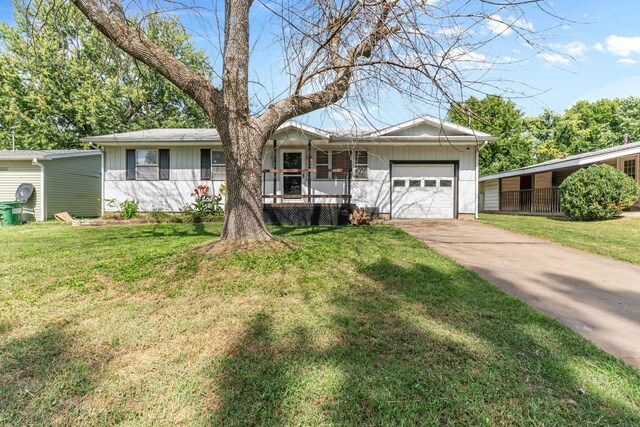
[504, 27]
[627, 61]
[623, 46]
[554, 58]
[460, 56]
[521, 23]
[453, 31]
[496, 25]
[576, 49]
[598, 47]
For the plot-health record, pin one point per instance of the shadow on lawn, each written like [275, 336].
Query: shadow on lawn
[417, 346]
[41, 378]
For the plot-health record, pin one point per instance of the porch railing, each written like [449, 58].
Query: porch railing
[309, 196]
[539, 200]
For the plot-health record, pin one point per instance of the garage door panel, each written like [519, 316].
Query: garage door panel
[423, 191]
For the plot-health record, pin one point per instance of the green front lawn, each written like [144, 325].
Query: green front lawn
[618, 238]
[350, 326]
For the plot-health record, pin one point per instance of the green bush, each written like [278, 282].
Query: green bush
[597, 192]
[129, 208]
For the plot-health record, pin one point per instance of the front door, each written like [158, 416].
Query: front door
[292, 181]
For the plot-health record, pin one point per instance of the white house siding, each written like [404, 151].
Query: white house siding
[73, 184]
[373, 192]
[12, 174]
[422, 129]
[171, 195]
[491, 192]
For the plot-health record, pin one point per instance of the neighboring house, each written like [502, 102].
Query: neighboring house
[63, 180]
[534, 189]
[423, 168]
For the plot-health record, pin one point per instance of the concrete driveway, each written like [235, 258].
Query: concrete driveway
[595, 296]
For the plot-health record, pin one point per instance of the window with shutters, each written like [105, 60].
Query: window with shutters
[218, 167]
[146, 165]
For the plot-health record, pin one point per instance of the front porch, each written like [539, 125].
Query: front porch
[291, 198]
[539, 201]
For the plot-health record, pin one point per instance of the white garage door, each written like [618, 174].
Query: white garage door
[423, 191]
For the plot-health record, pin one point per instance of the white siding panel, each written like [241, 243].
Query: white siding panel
[422, 129]
[166, 195]
[14, 173]
[372, 192]
[170, 195]
[491, 195]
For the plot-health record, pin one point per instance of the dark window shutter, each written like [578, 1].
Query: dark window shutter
[164, 162]
[131, 165]
[205, 164]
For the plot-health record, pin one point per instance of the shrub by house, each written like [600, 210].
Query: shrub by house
[597, 192]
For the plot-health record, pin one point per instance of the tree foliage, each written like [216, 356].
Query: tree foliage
[523, 141]
[597, 192]
[499, 117]
[62, 81]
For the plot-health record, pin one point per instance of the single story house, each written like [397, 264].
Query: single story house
[535, 189]
[63, 180]
[423, 168]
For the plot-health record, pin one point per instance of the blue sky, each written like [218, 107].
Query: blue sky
[594, 53]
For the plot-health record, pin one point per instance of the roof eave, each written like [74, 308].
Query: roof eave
[561, 164]
[443, 124]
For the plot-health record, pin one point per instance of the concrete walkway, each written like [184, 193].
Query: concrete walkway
[595, 296]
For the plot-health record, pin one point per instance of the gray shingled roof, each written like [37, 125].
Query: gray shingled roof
[211, 135]
[558, 163]
[160, 135]
[43, 154]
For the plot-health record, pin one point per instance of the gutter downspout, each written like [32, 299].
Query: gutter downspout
[102, 159]
[43, 205]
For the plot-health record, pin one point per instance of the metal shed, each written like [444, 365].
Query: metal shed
[63, 180]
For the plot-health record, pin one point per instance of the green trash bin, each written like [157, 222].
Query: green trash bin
[10, 213]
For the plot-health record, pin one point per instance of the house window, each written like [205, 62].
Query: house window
[430, 182]
[340, 160]
[445, 183]
[629, 167]
[398, 182]
[146, 165]
[322, 162]
[414, 183]
[361, 165]
[218, 167]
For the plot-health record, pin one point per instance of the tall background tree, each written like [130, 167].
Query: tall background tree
[61, 80]
[523, 141]
[500, 117]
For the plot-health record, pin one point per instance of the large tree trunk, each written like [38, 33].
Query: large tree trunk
[243, 220]
[241, 138]
[243, 135]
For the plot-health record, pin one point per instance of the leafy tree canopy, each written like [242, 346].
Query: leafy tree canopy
[523, 141]
[500, 117]
[63, 81]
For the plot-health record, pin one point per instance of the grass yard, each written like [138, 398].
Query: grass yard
[618, 238]
[356, 326]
